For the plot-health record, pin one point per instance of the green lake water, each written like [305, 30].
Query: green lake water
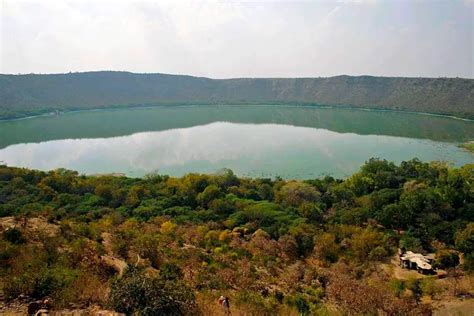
[261, 141]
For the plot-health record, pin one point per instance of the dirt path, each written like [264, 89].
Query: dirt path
[118, 264]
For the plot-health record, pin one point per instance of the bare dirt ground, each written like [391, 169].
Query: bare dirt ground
[455, 308]
[118, 264]
[33, 226]
[400, 273]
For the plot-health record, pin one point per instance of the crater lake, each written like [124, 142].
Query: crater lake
[258, 141]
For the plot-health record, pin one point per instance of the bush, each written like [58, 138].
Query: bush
[465, 239]
[397, 286]
[137, 293]
[14, 236]
[429, 287]
[170, 271]
[378, 253]
[469, 262]
[326, 248]
[52, 282]
[446, 259]
[255, 304]
[300, 303]
[47, 282]
[414, 285]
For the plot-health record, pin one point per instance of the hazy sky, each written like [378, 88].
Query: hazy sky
[222, 39]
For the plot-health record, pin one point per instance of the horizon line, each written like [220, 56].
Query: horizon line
[226, 78]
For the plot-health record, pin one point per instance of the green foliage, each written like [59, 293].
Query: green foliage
[25, 95]
[469, 262]
[397, 286]
[445, 259]
[269, 216]
[469, 146]
[14, 236]
[368, 244]
[170, 271]
[280, 245]
[326, 247]
[300, 303]
[414, 285]
[429, 287]
[137, 293]
[52, 281]
[256, 304]
[209, 194]
[296, 193]
[311, 212]
[47, 282]
[465, 239]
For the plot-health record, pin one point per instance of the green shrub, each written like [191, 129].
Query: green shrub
[137, 293]
[170, 271]
[414, 285]
[469, 262]
[446, 259]
[14, 236]
[52, 282]
[429, 287]
[255, 304]
[300, 303]
[47, 282]
[397, 286]
[14, 286]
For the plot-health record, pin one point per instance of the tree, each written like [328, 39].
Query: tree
[147, 246]
[104, 191]
[446, 259]
[296, 193]
[14, 236]
[396, 216]
[209, 194]
[226, 178]
[326, 247]
[465, 239]
[454, 278]
[366, 244]
[310, 211]
[465, 243]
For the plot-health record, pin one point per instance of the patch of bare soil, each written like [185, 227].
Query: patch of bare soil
[400, 273]
[394, 269]
[118, 264]
[455, 308]
[32, 226]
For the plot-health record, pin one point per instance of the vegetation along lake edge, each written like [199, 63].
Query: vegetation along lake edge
[272, 246]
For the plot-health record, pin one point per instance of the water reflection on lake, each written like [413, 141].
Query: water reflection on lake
[264, 150]
[122, 122]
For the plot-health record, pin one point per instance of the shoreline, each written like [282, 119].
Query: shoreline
[336, 107]
[468, 146]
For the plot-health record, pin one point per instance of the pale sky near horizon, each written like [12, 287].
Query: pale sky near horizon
[225, 39]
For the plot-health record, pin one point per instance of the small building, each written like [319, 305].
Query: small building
[416, 261]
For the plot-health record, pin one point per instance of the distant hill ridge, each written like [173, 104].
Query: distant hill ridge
[23, 95]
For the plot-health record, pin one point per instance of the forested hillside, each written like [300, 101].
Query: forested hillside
[171, 246]
[22, 95]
